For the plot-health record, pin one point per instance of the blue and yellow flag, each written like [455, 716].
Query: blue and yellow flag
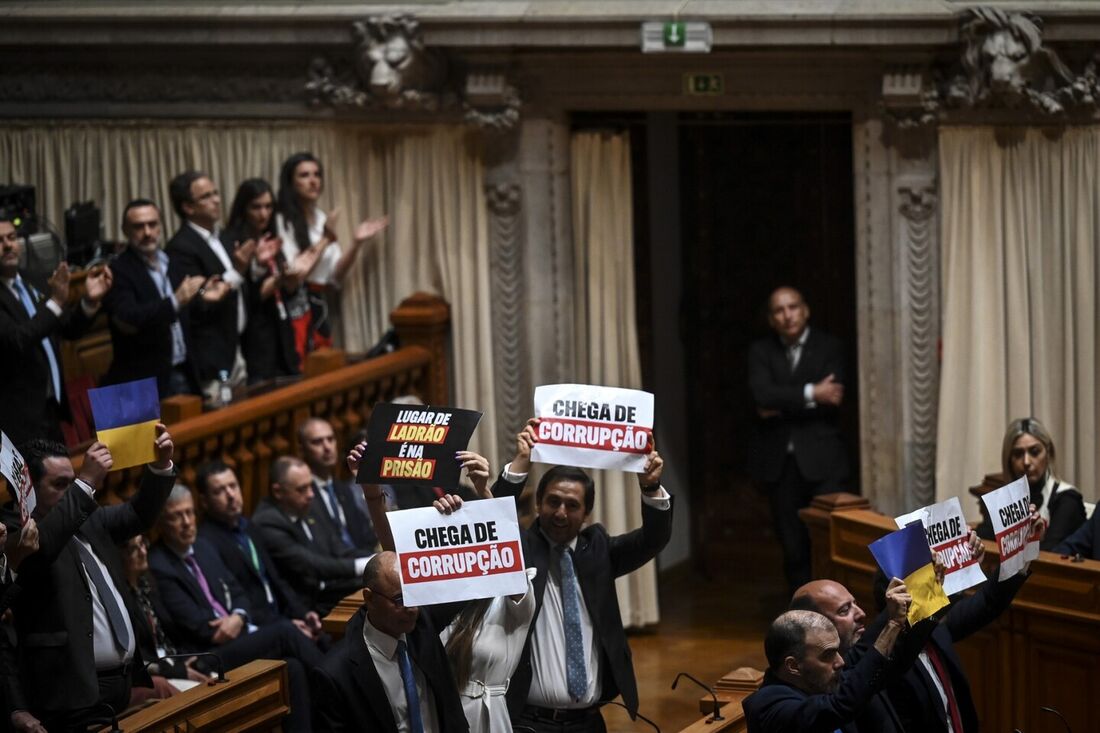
[904, 554]
[126, 416]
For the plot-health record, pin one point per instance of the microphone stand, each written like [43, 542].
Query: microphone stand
[1061, 717]
[654, 725]
[717, 715]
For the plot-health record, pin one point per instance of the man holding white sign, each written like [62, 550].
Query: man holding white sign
[576, 657]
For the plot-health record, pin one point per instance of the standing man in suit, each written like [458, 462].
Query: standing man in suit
[337, 505]
[390, 671]
[797, 384]
[576, 657]
[241, 550]
[196, 249]
[209, 612]
[148, 308]
[77, 647]
[308, 551]
[30, 325]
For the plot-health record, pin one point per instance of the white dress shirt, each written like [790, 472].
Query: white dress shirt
[323, 273]
[383, 650]
[230, 275]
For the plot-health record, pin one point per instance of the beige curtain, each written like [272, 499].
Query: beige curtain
[1021, 232]
[429, 181]
[606, 332]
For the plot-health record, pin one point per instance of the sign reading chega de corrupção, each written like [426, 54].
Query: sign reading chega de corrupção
[1010, 512]
[593, 427]
[472, 553]
[947, 533]
[416, 444]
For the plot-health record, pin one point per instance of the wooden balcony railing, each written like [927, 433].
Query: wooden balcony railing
[250, 434]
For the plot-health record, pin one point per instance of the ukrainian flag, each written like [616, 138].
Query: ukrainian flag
[125, 417]
[904, 554]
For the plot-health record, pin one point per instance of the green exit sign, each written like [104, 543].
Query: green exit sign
[675, 33]
[704, 84]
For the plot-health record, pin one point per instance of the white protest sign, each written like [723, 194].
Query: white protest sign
[15, 471]
[947, 532]
[472, 553]
[1008, 509]
[593, 427]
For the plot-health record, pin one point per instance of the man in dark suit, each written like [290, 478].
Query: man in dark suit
[304, 545]
[148, 308]
[806, 687]
[333, 497]
[797, 384]
[390, 672]
[935, 691]
[241, 550]
[1085, 541]
[30, 324]
[207, 611]
[196, 249]
[77, 648]
[557, 681]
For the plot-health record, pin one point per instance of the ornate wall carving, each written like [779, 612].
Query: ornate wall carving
[509, 342]
[921, 272]
[392, 68]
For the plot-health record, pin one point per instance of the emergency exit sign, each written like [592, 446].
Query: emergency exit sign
[704, 84]
[678, 36]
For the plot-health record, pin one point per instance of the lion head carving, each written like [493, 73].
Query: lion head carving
[394, 64]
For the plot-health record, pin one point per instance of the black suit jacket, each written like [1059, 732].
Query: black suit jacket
[141, 323]
[348, 694]
[53, 615]
[287, 602]
[188, 612]
[213, 325]
[359, 524]
[780, 708]
[914, 695]
[25, 370]
[305, 563]
[814, 431]
[1084, 540]
[598, 559]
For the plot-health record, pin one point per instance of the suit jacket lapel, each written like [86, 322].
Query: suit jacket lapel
[367, 678]
[12, 305]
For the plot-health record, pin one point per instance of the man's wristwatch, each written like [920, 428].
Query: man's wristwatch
[652, 488]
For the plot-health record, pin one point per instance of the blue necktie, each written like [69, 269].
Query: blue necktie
[412, 697]
[28, 305]
[575, 674]
[330, 489]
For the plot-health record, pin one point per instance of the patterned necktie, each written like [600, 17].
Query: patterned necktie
[51, 357]
[576, 676]
[219, 609]
[412, 697]
[945, 681]
[105, 590]
[330, 489]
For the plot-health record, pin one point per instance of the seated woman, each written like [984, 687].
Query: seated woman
[1028, 450]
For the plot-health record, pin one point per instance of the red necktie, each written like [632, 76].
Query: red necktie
[948, 691]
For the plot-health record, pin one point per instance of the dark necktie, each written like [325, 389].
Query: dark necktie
[334, 505]
[412, 697]
[105, 589]
[219, 609]
[575, 674]
[945, 681]
[51, 357]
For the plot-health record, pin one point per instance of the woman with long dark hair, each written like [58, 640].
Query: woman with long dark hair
[308, 241]
[268, 340]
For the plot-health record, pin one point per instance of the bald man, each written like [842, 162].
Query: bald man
[797, 379]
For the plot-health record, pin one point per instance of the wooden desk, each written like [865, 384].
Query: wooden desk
[255, 698]
[731, 690]
[1043, 651]
[337, 619]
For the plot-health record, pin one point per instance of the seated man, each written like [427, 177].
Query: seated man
[390, 671]
[1085, 540]
[307, 548]
[337, 505]
[208, 612]
[239, 545]
[805, 688]
[76, 642]
[575, 594]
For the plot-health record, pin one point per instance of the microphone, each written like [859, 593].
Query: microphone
[103, 714]
[1061, 717]
[654, 725]
[185, 657]
[717, 714]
